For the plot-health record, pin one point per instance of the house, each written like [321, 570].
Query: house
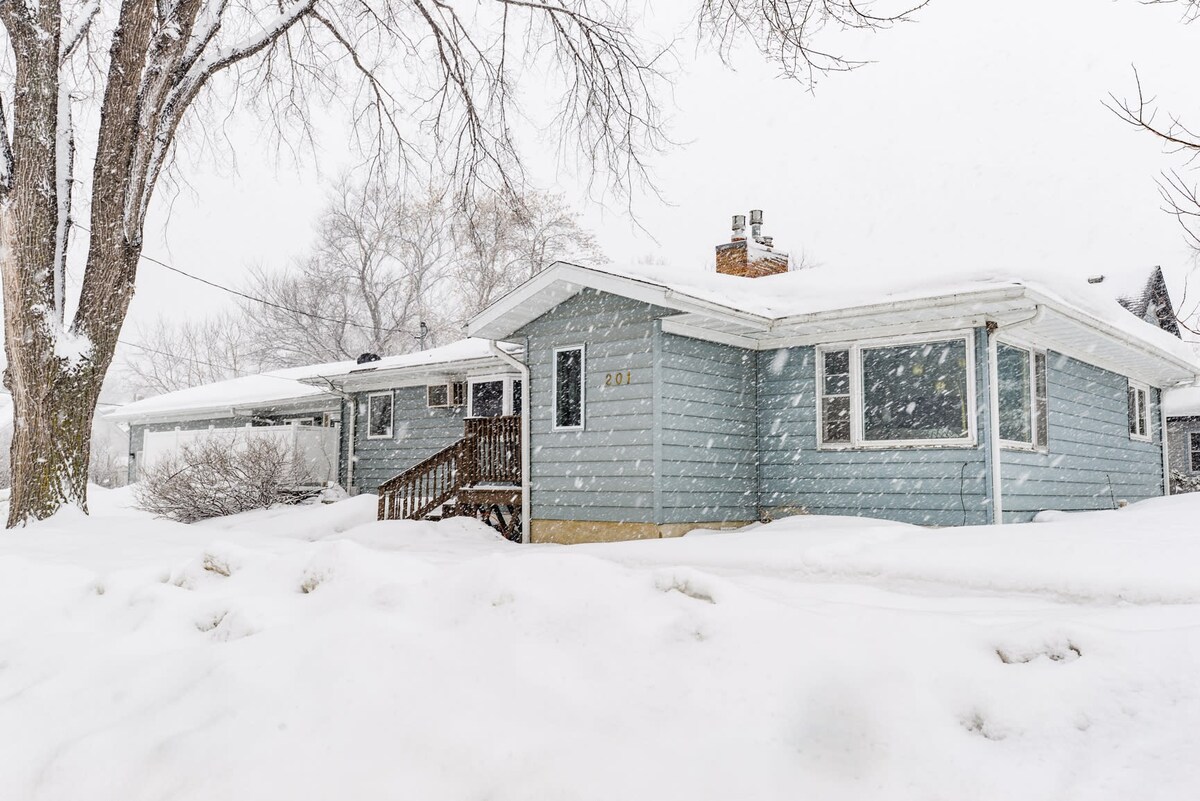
[607, 403]
[1181, 408]
[659, 401]
[304, 407]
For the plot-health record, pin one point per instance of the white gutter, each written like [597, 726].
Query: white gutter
[525, 449]
[994, 412]
[1110, 330]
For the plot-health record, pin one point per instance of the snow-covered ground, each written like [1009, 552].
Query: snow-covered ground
[310, 653]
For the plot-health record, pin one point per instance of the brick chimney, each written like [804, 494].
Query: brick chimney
[753, 257]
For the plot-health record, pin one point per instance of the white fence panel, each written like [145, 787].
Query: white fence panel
[317, 446]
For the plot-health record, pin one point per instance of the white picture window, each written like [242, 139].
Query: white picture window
[379, 415]
[568, 387]
[1021, 388]
[1139, 411]
[917, 393]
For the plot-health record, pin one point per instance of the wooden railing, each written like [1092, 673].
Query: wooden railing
[423, 487]
[488, 453]
[495, 455]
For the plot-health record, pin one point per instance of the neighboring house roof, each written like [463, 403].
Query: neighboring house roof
[820, 304]
[265, 391]
[296, 389]
[469, 356]
[1144, 293]
[1182, 402]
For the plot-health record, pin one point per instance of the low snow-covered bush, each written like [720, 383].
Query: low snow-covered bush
[211, 479]
[1183, 482]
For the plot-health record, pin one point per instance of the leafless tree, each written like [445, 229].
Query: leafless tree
[208, 478]
[176, 354]
[377, 271]
[503, 243]
[433, 77]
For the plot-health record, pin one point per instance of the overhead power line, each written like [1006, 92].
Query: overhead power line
[272, 304]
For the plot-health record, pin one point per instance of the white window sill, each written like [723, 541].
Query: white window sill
[898, 445]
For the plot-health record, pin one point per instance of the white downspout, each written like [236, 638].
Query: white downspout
[523, 369]
[993, 373]
[1162, 441]
[994, 410]
[350, 445]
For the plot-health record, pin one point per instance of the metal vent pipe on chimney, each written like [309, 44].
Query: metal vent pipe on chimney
[739, 227]
[756, 221]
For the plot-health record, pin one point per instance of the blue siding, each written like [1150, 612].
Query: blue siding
[1091, 461]
[417, 432]
[708, 424]
[605, 472]
[933, 486]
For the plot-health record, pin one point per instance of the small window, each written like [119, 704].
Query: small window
[379, 416]
[437, 396]
[1041, 398]
[835, 396]
[1194, 450]
[1139, 411]
[516, 397]
[1015, 391]
[487, 399]
[458, 393]
[1021, 390]
[568, 387]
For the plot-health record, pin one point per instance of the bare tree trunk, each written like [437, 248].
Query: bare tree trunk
[49, 452]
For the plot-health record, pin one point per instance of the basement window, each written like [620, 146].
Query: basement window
[568, 388]
[1139, 411]
[1194, 450]
[908, 394]
[379, 415]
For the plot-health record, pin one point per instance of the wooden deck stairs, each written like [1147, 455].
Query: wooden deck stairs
[478, 476]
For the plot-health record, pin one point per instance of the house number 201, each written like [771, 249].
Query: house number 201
[617, 379]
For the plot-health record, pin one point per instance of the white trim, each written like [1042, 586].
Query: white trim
[554, 426]
[995, 462]
[506, 390]
[857, 396]
[679, 328]
[1138, 386]
[573, 278]
[391, 416]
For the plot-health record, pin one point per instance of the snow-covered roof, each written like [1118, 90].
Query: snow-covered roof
[457, 358]
[219, 399]
[1182, 402]
[806, 301]
[292, 387]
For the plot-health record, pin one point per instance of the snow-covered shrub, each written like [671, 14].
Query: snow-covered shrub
[1184, 482]
[208, 478]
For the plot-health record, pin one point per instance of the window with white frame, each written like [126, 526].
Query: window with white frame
[1194, 451]
[1021, 388]
[487, 398]
[437, 396]
[568, 387]
[905, 394]
[379, 415]
[1139, 411]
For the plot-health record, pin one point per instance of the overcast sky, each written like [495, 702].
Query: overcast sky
[976, 138]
